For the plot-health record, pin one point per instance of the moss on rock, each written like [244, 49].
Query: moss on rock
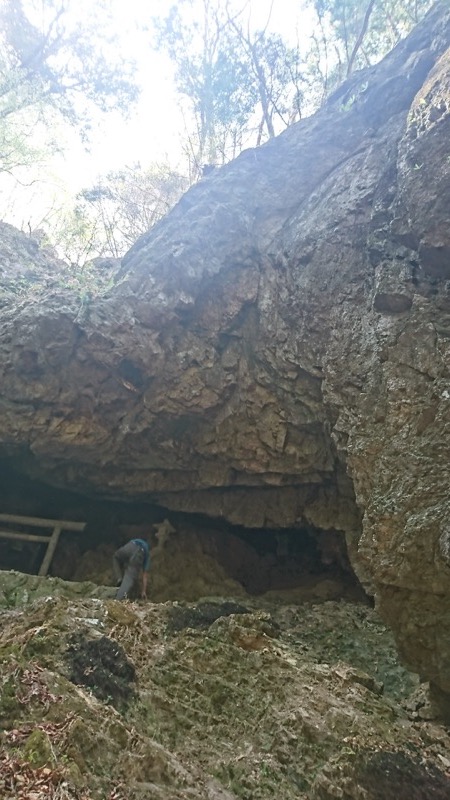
[216, 700]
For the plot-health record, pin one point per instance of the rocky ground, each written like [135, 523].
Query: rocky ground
[218, 699]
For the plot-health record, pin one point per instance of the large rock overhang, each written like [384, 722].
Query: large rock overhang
[276, 351]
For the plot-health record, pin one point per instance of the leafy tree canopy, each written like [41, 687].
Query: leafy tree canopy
[110, 215]
[358, 33]
[57, 58]
[238, 84]
[235, 81]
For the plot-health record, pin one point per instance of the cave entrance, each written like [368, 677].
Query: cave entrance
[303, 560]
[274, 559]
[202, 557]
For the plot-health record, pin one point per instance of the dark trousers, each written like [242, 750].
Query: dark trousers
[128, 562]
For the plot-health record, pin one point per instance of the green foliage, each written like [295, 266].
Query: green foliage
[129, 202]
[75, 235]
[234, 81]
[357, 34]
[16, 137]
[241, 85]
[275, 71]
[53, 61]
[61, 62]
[109, 216]
[210, 76]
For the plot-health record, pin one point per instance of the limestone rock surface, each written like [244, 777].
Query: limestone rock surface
[276, 351]
[217, 700]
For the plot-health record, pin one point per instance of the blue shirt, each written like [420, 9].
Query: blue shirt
[142, 543]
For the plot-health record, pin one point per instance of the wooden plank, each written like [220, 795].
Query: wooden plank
[37, 522]
[26, 537]
[50, 550]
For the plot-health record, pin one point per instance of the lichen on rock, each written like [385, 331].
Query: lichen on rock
[228, 701]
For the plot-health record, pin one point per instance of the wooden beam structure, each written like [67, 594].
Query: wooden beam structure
[25, 537]
[57, 526]
[40, 522]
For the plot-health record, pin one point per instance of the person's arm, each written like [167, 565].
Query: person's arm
[144, 585]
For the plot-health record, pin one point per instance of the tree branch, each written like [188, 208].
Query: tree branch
[361, 36]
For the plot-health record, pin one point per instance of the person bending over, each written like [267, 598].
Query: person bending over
[131, 562]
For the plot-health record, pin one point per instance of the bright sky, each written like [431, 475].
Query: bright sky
[156, 124]
[154, 128]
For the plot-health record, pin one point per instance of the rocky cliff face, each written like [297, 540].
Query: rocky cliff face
[276, 351]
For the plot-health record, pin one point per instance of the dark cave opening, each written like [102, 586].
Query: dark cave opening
[259, 560]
